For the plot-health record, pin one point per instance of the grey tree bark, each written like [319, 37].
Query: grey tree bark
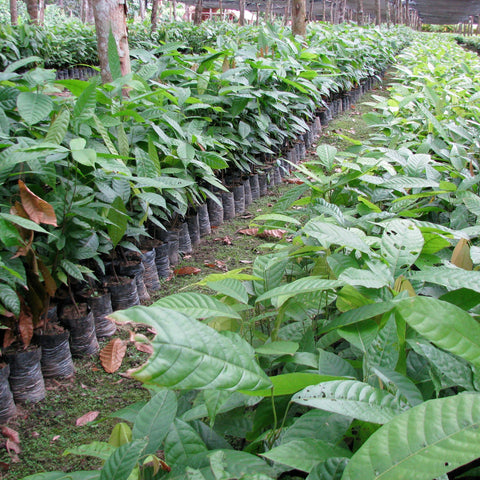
[378, 5]
[154, 17]
[299, 12]
[13, 12]
[111, 16]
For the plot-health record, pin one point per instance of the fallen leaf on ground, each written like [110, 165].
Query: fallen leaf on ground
[248, 231]
[277, 233]
[87, 418]
[187, 271]
[246, 261]
[144, 347]
[111, 356]
[295, 181]
[11, 434]
[55, 438]
[225, 240]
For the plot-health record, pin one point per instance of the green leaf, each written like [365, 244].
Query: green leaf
[145, 165]
[183, 445]
[113, 57]
[119, 221]
[153, 199]
[123, 460]
[279, 347]
[79, 475]
[34, 107]
[446, 436]
[304, 454]
[22, 62]
[277, 217]
[300, 286]
[244, 129]
[401, 244]
[102, 450]
[289, 383]
[86, 102]
[450, 277]
[188, 354]
[353, 399]
[444, 324]
[10, 299]
[72, 269]
[401, 182]
[121, 434]
[86, 157]
[402, 384]
[326, 155]
[231, 287]
[154, 420]
[196, 305]
[330, 469]
[328, 234]
[58, 129]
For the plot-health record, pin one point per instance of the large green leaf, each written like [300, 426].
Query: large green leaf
[328, 234]
[79, 475]
[196, 305]
[231, 287]
[303, 285]
[34, 107]
[450, 277]
[188, 354]
[113, 57]
[102, 450]
[423, 443]
[330, 469]
[58, 129]
[402, 243]
[289, 383]
[352, 399]
[402, 384]
[304, 454]
[119, 221]
[154, 420]
[444, 324]
[120, 464]
[183, 445]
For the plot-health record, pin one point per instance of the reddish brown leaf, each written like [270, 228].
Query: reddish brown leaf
[12, 446]
[210, 265]
[87, 418]
[295, 181]
[187, 271]
[38, 210]
[10, 434]
[248, 231]
[277, 233]
[50, 284]
[144, 347]
[8, 338]
[112, 354]
[25, 326]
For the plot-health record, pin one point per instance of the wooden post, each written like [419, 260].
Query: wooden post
[332, 20]
[360, 12]
[324, 11]
[241, 7]
[407, 8]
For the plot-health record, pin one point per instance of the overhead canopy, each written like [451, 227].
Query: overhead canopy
[440, 12]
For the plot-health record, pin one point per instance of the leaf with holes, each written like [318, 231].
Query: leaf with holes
[401, 244]
[111, 355]
[353, 399]
[446, 436]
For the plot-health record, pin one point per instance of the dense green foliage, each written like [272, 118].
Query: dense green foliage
[473, 43]
[351, 351]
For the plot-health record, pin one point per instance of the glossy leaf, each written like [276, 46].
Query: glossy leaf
[353, 399]
[446, 436]
[452, 278]
[230, 287]
[189, 354]
[444, 324]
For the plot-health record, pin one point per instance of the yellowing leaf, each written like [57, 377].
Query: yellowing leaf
[461, 255]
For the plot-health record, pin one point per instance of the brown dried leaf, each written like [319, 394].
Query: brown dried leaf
[8, 338]
[461, 255]
[112, 354]
[38, 210]
[87, 418]
[277, 233]
[11, 434]
[50, 284]
[12, 447]
[144, 347]
[248, 231]
[187, 271]
[25, 326]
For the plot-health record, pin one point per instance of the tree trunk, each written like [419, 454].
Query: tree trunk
[197, 17]
[299, 24]
[41, 12]
[378, 5]
[332, 20]
[241, 7]
[32, 9]
[324, 12]
[154, 18]
[111, 16]
[90, 17]
[360, 18]
[141, 9]
[268, 12]
[13, 12]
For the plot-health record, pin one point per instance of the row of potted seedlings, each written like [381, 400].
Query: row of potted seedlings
[77, 321]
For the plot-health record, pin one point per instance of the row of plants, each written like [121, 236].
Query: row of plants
[88, 173]
[473, 43]
[351, 350]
